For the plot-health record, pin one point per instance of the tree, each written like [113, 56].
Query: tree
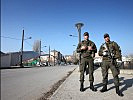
[36, 46]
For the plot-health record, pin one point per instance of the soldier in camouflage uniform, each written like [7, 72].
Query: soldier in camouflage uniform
[87, 49]
[111, 53]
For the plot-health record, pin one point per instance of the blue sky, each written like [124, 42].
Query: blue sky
[52, 21]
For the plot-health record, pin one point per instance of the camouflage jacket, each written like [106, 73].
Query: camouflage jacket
[87, 53]
[114, 49]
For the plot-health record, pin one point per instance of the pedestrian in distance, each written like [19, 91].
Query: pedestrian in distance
[87, 49]
[111, 54]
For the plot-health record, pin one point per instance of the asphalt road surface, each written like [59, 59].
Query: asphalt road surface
[30, 83]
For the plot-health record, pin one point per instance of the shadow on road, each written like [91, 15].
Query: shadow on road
[111, 81]
[86, 88]
[127, 83]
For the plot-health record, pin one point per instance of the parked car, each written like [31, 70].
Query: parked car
[97, 62]
[39, 64]
[62, 63]
[45, 63]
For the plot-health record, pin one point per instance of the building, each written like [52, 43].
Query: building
[55, 57]
[13, 58]
[69, 59]
[127, 62]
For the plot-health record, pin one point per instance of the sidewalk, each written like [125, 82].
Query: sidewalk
[69, 90]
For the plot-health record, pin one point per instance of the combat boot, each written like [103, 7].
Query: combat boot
[104, 89]
[92, 87]
[81, 87]
[118, 91]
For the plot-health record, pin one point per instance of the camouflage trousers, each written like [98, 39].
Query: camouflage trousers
[88, 66]
[105, 66]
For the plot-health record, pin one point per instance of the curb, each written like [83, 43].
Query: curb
[124, 71]
[61, 85]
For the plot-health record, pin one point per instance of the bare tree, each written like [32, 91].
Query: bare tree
[36, 46]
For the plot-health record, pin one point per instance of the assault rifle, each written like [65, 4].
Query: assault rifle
[111, 55]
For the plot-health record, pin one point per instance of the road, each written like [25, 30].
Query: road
[30, 83]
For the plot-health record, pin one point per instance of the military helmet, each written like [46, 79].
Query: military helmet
[86, 34]
[106, 35]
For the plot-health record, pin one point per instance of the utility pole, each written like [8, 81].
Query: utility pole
[54, 57]
[79, 25]
[49, 55]
[21, 55]
[40, 54]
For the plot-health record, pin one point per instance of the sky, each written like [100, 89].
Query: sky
[52, 21]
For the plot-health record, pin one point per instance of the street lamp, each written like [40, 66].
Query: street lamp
[21, 55]
[40, 53]
[74, 45]
[73, 35]
[79, 25]
[28, 38]
[43, 46]
[49, 55]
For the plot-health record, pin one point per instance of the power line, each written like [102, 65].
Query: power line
[10, 37]
[28, 43]
[15, 39]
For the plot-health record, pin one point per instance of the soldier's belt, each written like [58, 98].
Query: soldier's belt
[86, 57]
[106, 58]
